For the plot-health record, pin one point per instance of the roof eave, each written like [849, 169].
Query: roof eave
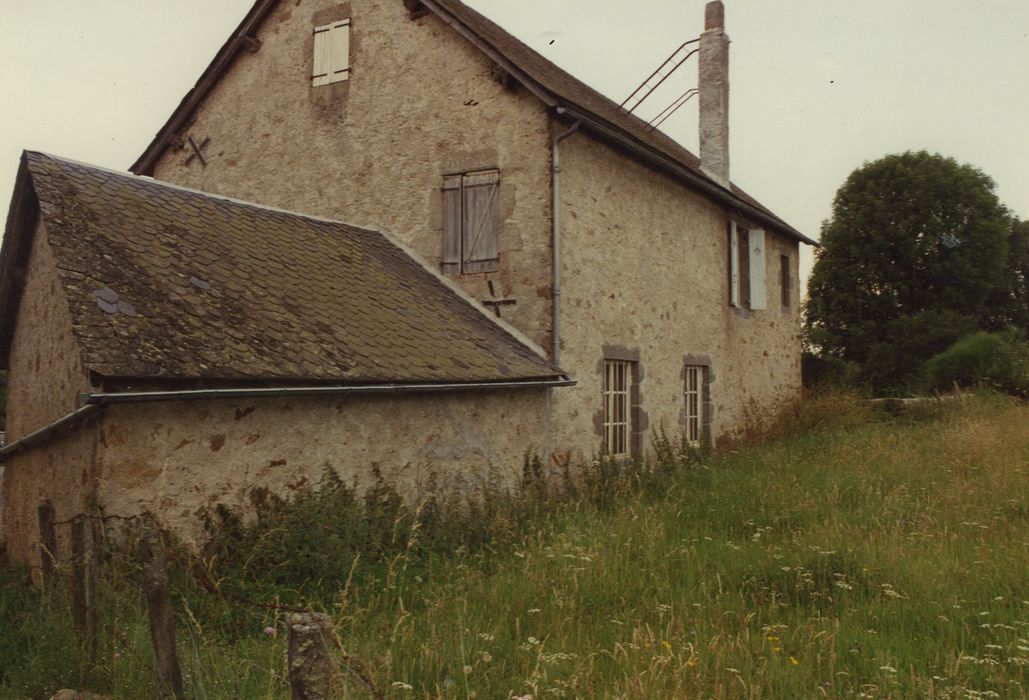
[618, 136]
[226, 55]
[611, 132]
[144, 165]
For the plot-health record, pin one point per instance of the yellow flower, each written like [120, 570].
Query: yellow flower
[666, 644]
[793, 661]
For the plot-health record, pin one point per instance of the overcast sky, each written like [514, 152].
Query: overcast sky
[817, 86]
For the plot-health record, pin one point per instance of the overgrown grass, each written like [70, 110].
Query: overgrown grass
[877, 556]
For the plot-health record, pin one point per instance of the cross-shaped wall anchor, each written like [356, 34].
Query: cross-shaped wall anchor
[197, 150]
[495, 302]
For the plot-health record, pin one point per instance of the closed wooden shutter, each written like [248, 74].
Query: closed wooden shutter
[322, 56]
[452, 213]
[480, 246]
[758, 286]
[339, 39]
[734, 265]
[785, 278]
[331, 53]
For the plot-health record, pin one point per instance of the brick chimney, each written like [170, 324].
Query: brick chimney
[714, 94]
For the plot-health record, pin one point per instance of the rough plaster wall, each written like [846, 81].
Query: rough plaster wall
[177, 459]
[644, 267]
[421, 101]
[44, 380]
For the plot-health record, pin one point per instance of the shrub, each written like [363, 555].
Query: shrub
[910, 340]
[999, 360]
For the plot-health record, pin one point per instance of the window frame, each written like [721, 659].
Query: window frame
[693, 393]
[618, 418]
[786, 280]
[747, 267]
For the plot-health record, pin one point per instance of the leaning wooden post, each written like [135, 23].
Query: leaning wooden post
[159, 609]
[83, 580]
[313, 671]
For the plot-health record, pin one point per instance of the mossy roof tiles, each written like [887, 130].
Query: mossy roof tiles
[167, 282]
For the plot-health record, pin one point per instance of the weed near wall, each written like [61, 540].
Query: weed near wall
[882, 557]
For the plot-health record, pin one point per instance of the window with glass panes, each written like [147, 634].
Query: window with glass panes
[618, 408]
[694, 402]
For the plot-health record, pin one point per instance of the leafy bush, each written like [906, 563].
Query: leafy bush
[908, 342]
[1000, 360]
[825, 371]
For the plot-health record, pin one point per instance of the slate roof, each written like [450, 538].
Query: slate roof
[163, 281]
[555, 86]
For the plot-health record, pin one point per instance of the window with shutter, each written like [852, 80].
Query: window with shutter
[331, 53]
[734, 264]
[785, 279]
[756, 254]
[471, 213]
[748, 288]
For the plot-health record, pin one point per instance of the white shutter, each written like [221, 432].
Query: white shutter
[331, 53]
[734, 265]
[758, 287]
[340, 51]
[322, 56]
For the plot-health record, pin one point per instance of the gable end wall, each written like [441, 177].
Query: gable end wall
[45, 378]
[420, 102]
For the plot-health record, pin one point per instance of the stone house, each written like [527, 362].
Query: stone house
[526, 269]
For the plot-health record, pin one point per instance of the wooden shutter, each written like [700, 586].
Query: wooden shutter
[339, 40]
[331, 53]
[451, 263]
[734, 265]
[785, 278]
[758, 286]
[480, 247]
[322, 56]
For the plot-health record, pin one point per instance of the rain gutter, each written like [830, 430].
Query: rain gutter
[93, 402]
[37, 436]
[106, 398]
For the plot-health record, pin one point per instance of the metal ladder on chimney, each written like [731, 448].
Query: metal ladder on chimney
[659, 76]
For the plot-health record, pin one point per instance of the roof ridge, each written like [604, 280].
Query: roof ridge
[610, 122]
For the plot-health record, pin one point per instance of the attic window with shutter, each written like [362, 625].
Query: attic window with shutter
[747, 288]
[471, 209]
[331, 53]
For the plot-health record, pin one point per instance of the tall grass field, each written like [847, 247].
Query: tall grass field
[853, 556]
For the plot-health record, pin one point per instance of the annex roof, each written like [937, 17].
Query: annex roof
[557, 88]
[167, 282]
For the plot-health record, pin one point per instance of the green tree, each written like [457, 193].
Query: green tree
[1013, 294]
[912, 236]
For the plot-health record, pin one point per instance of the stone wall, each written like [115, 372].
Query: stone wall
[198, 454]
[421, 101]
[44, 381]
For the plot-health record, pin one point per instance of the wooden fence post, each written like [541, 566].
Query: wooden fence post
[83, 580]
[159, 609]
[47, 539]
[314, 673]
